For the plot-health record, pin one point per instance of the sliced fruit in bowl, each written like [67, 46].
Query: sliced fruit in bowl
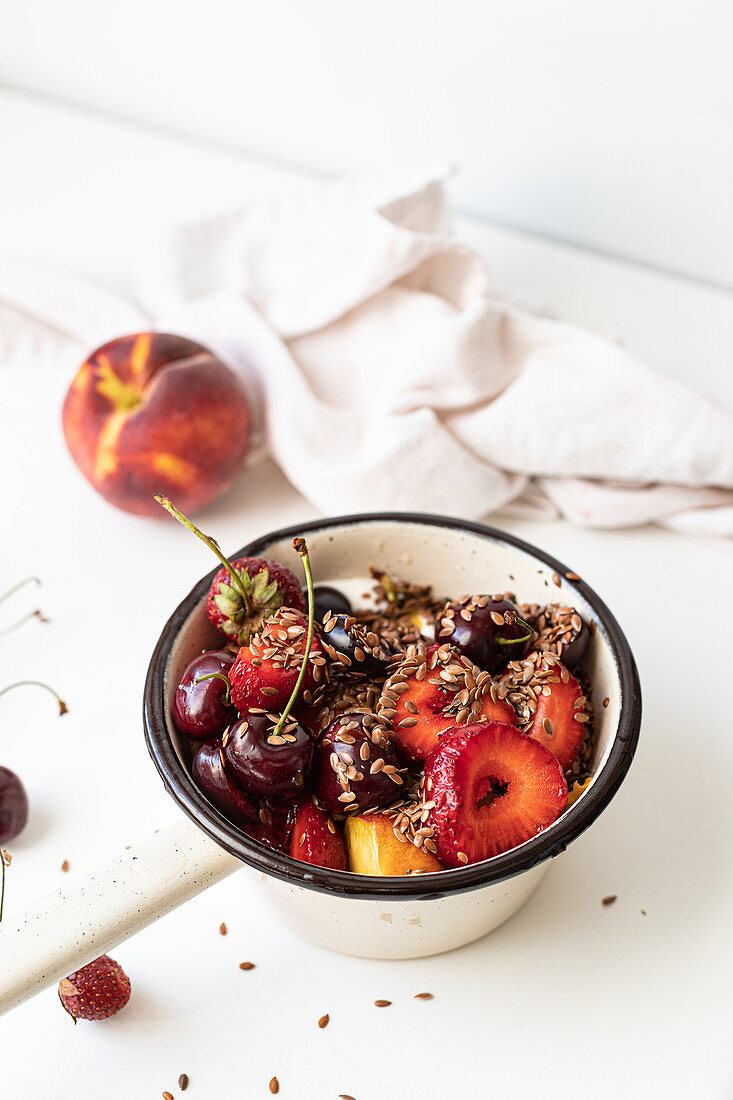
[493, 788]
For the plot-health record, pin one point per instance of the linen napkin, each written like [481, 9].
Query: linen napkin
[387, 373]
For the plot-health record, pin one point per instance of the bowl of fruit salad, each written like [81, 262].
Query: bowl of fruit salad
[396, 721]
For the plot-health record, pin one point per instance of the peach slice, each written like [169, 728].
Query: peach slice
[373, 849]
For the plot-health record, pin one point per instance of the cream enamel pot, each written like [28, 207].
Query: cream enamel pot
[381, 918]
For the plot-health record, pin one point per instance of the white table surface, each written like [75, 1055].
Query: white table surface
[570, 997]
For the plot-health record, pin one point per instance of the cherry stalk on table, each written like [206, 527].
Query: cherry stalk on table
[13, 797]
[35, 614]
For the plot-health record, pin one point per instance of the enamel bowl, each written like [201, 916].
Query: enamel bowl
[403, 917]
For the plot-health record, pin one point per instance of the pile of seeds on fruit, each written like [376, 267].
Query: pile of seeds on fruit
[420, 734]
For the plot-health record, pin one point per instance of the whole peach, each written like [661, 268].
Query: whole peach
[153, 412]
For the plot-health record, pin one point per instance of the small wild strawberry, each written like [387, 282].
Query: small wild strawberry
[96, 991]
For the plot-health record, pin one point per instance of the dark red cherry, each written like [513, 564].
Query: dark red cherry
[327, 599]
[265, 764]
[13, 806]
[275, 824]
[199, 706]
[351, 645]
[489, 631]
[354, 768]
[573, 651]
[210, 775]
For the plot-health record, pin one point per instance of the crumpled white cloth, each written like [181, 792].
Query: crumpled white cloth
[387, 373]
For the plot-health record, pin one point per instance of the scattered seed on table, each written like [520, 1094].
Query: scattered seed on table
[610, 899]
[65, 865]
[222, 929]
[183, 1082]
[274, 1085]
[382, 1004]
[167, 1096]
[556, 579]
[345, 1096]
[423, 996]
[643, 912]
[572, 576]
[246, 966]
[323, 1022]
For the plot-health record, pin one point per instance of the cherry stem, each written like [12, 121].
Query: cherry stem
[63, 709]
[16, 587]
[37, 614]
[390, 589]
[212, 544]
[3, 857]
[218, 676]
[301, 548]
[514, 620]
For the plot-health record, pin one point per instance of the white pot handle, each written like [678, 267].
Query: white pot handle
[92, 914]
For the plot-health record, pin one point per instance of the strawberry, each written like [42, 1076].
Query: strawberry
[493, 788]
[433, 690]
[95, 992]
[267, 585]
[317, 839]
[245, 591]
[265, 671]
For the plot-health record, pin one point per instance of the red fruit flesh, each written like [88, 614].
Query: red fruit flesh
[428, 703]
[554, 724]
[269, 584]
[95, 992]
[317, 839]
[265, 671]
[493, 789]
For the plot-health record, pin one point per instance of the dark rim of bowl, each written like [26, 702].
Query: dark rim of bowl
[546, 845]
